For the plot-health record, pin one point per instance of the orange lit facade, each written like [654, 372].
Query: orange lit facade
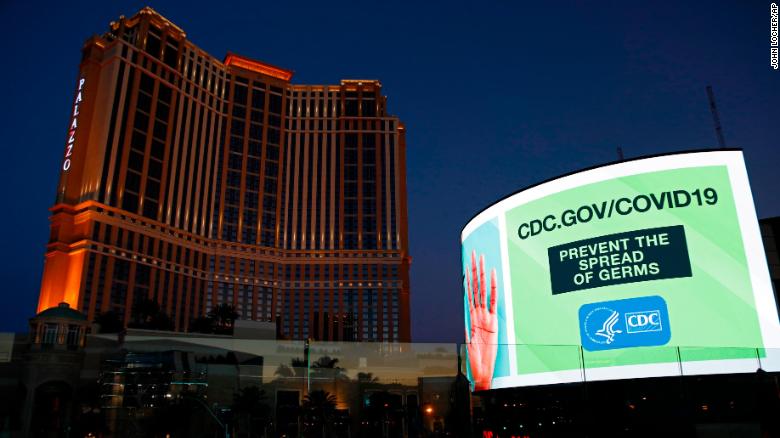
[196, 182]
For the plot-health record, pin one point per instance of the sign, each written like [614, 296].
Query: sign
[640, 268]
[633, 322]
[642, 255]
[74, 124]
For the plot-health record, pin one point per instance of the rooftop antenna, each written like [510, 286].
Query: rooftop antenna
[716, 118]
[620, 153]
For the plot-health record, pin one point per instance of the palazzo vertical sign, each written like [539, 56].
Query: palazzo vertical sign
[74, 124]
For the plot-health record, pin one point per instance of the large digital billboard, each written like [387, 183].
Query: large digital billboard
[642, 268]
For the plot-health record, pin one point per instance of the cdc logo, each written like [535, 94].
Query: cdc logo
[638, 322]
[633, 322]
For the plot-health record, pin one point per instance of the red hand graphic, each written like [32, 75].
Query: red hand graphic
[482, 342]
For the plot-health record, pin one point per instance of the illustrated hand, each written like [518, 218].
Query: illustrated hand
[482, 342]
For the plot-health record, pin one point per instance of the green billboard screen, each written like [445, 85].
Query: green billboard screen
[648, 267]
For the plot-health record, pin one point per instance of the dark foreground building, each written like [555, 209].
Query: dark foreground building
[63, 380]
[195, 182]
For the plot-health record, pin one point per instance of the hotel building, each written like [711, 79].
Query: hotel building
[195, 182]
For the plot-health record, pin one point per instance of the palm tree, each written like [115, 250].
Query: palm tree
[109, 322]
[249, 404]
[143, 312]
[297, 369]
[202, 324]
[325, 362]
[319, 408]
[326, 367]
[297, 362]
[147, 314]
[224, 315]
[367, 377]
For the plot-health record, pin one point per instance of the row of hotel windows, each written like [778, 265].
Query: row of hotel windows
[337, 126]
[245, 158]
[292, 303]
[309, 232]
[327, 273]
[364, 317]
[166, 49]
[250, 250]
[329, 105]
[159, 130]
[266, 221]
[202, 71]
[198, 74]
[51, 334]
[142, 244]
[154, 46]
[240, 296]
[243, 177]
[144, 176]
[193, 73]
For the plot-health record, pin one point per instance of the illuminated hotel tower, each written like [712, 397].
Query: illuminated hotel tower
[196, 182]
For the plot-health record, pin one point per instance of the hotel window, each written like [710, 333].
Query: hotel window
[256, 116]
[49, 334]
[171, 54]
[272, 152]
[275, 103]
[72, 339]
[274, 136]
[351, 104]
[368, 107]
[237, 126]
[130, 35]
[153, 44]
[258, 99]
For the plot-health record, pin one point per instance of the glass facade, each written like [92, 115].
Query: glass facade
[188, 385]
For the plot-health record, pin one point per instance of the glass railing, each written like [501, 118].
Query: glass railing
[415, 389]
[528, 365]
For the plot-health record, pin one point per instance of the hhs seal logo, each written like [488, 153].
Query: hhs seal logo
[603, 320]
[633, 322]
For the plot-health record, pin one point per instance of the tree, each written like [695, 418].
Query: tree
[296, 369]
[143, 311]
[325, 362]
[202, 324]
[109, 322]
[326, 367]
[367, 378]
[250, 408]
[162, 321]
[224, 315]
[319, 408]
[147, 314]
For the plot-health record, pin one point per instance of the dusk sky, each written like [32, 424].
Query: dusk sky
[495, 96]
